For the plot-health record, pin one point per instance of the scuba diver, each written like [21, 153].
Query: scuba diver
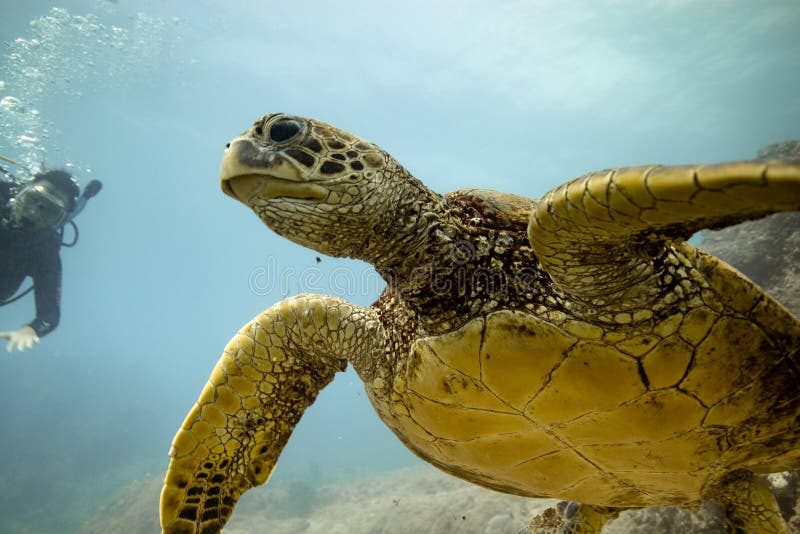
[33, 214]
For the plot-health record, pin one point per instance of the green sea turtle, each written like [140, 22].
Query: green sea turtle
[574, 347]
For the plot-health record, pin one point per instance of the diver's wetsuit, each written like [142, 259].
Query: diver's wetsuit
[30, 253]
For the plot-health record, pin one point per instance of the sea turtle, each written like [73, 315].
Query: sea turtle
[574, 347]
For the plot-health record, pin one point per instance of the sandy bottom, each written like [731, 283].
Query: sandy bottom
[419, 499]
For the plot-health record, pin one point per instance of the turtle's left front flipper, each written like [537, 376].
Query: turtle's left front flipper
[269, 373]
[599, 235]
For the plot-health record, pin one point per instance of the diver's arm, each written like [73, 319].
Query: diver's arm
[47, 288]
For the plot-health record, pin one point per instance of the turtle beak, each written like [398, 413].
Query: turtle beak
[244, 168]
[250, 170]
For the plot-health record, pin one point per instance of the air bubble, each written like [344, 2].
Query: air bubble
[9, 103]
[64, 56]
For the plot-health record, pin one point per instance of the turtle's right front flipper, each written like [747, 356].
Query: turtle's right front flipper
[599, 235]
[269, 373]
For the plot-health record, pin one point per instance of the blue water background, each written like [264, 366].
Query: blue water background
[515, 96]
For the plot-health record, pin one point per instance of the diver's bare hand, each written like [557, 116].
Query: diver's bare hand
[21, 339]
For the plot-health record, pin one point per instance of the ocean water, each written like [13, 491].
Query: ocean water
[143, 95]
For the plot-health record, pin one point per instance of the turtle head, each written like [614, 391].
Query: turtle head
[312, 183]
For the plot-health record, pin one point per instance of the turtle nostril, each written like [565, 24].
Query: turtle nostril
[227, 146]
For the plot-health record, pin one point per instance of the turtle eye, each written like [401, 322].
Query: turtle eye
[283, 130]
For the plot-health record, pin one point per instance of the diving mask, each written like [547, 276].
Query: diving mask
[36, 204]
